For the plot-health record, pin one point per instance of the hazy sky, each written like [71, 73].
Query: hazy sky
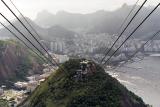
[31, 7]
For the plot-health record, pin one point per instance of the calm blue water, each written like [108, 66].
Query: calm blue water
[142, 78]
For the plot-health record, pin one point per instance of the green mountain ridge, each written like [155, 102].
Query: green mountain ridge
[3, 103]
[71, 87]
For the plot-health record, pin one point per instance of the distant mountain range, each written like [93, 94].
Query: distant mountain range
[101, 21]
[52, 33]
[65, 25]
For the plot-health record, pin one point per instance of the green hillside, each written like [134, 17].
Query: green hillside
[69, 88]
[3, 103]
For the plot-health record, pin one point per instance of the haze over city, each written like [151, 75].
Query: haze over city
[30, 8]
[79, 53]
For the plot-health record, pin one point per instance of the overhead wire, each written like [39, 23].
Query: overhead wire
[22, 41]
[125, 20]
[26, 20]
[26, 38]
[123, 31]
[132, 33]
[50, 57]
[30, 33]
[150, 39]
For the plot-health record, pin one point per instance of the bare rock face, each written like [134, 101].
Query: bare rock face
[13, 58]
[8, 62]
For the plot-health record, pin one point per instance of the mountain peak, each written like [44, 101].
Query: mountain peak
[61, 12]
[124, 5]
[82, 83]
[45, 11]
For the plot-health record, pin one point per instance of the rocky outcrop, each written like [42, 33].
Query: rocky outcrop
[15, 56]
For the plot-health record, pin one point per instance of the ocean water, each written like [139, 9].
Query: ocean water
[142, 78]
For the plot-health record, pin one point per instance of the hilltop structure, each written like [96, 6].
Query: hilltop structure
[82, 84]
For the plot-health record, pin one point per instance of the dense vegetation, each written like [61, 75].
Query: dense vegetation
[3, 103]
[2, 47]
[94, 90]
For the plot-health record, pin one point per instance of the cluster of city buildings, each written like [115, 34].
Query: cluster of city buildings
[88, 43]
[23, 89]
[59, 58]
